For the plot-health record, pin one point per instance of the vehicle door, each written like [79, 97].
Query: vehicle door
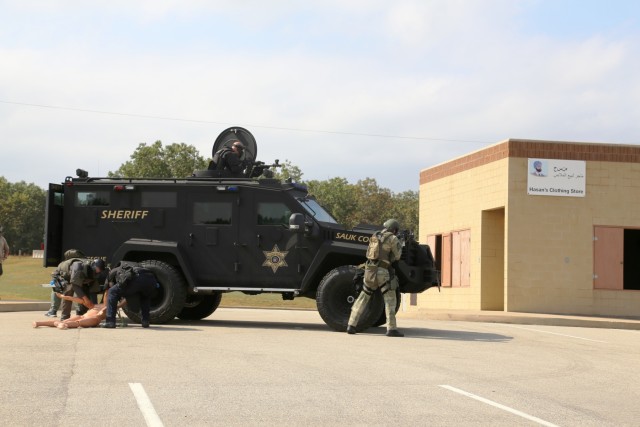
[212, 235]
[269, 252]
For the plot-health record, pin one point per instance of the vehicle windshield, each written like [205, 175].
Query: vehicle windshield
[317, 211]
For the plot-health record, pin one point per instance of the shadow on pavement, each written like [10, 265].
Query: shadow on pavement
[249, 324]
[437, 334]
[421, 333]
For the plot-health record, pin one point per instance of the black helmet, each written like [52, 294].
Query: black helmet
[98, 263]
[392, 225]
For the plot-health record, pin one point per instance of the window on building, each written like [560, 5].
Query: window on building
[616, 252]
[218, 213]
[452, 257]
[273, 214]
[92, 198]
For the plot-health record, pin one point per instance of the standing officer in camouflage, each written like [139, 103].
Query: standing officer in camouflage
[384, 249]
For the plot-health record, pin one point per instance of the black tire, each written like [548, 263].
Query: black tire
[337, 293]
[198, 307]
[171, 296]
[383, 318]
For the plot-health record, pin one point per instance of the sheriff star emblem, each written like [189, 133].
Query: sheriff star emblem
[275, 258]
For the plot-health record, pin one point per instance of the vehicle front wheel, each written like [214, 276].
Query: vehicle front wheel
[336, 295]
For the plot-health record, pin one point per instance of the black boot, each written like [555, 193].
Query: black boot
[394, 333]
[351, 330]
[110, 324]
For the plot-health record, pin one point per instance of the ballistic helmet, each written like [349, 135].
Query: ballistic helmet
[98, 263]
[392, 225]
[73, 253]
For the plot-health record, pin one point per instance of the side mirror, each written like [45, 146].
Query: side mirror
[296, 223]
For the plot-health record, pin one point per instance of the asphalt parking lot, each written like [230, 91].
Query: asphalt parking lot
[285, 367]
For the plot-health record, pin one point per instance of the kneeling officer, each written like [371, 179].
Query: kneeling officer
[135, 283]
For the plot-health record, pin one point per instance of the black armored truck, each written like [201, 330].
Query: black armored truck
[216, 232]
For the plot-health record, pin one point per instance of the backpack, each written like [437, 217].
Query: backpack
[375, 244]
[125, 272]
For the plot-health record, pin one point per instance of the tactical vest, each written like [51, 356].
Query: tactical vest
[65, 268]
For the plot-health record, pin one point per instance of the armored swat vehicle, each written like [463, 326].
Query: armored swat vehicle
[216, 232]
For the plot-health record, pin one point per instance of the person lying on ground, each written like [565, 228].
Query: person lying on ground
[96, 314]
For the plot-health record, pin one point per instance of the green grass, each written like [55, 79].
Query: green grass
[23, 276]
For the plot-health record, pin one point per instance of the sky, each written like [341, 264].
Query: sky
[340, 88]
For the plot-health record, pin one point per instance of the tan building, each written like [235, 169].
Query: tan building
[535, 226]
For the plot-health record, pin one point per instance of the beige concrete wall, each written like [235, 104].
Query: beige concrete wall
[550, 241]
[456, 203]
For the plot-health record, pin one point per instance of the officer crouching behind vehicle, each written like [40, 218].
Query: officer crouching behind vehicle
[384, 249]
[135, 283]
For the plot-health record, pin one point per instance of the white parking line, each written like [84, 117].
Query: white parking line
[145, 405]
[553, 333]
[498, 405]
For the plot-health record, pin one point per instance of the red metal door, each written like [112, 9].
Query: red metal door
[608, 256]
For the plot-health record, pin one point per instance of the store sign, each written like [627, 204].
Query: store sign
[549, 177]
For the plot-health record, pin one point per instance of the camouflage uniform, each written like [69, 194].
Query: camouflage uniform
[55, 301]
[377, 276]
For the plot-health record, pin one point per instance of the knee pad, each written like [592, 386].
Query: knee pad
[367, 290]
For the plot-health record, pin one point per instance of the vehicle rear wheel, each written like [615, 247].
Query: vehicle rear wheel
[336, 295]
[383, 318]
[171, 296]
[200, 306]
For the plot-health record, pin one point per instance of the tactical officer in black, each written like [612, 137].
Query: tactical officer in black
[231, 159]
[135, 283]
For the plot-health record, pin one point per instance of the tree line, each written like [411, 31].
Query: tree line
[22, 205]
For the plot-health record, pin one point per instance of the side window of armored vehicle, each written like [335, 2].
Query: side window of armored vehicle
[58, 199]
[273, 214]
[218, 213]
[159, 199]
[92, 198]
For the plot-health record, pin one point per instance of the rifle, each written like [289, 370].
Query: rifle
[258, 168]
[406, 237]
